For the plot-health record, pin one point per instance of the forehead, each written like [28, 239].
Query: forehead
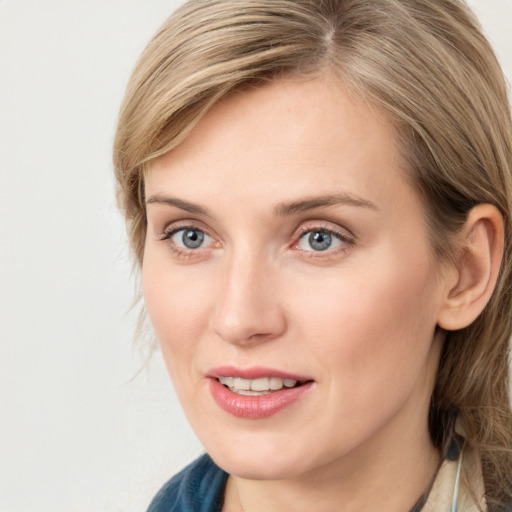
[310, 134]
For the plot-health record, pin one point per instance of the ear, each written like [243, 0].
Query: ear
[471, 281]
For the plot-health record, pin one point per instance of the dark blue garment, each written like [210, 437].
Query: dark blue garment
[197, 488]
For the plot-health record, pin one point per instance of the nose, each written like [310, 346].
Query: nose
[248, 309]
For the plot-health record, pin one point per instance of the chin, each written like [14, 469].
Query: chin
[256, 468]
[260, 459]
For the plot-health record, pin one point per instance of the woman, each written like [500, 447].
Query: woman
[319, 197]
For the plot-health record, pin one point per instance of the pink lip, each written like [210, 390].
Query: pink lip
[255, 407]
[256, 372]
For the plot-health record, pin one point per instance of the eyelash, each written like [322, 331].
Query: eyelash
[346, 241]
[178, 251]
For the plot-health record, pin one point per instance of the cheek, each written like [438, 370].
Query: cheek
[177, 306]
[371, 344]
[375, 321]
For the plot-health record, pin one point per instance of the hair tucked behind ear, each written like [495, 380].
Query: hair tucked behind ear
[428, 65]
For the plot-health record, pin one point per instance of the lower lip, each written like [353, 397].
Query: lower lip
[256, 407]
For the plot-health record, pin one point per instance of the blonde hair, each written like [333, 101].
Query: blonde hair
[428, 65]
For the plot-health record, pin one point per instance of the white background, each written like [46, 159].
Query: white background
[76, 433]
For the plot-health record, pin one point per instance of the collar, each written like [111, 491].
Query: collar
[458, 485]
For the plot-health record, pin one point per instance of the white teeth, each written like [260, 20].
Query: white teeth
[226, 381]
[256, 386]
[276, 383]
[260, 384]
[249, 393]
[244, 384]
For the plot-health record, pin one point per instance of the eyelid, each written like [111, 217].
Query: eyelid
[173, 227]
[347, 238]
[326, 226]
[178, 251]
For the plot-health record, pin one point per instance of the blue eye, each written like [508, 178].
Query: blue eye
[320, 240]
[189, 238]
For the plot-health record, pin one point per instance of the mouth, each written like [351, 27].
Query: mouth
[258, 387]
[256, 393]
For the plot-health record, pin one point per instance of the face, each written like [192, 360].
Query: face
[290, 281]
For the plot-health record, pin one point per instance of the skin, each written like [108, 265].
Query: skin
[359, 318]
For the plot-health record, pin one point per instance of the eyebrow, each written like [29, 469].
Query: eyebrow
[292, 208]
[179, 203]
[281, 210]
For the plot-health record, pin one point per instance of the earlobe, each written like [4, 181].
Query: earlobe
[477, 269]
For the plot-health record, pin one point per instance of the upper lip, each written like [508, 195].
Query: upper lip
[255, 372]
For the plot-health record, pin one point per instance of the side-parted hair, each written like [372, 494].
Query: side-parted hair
[424, 62]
